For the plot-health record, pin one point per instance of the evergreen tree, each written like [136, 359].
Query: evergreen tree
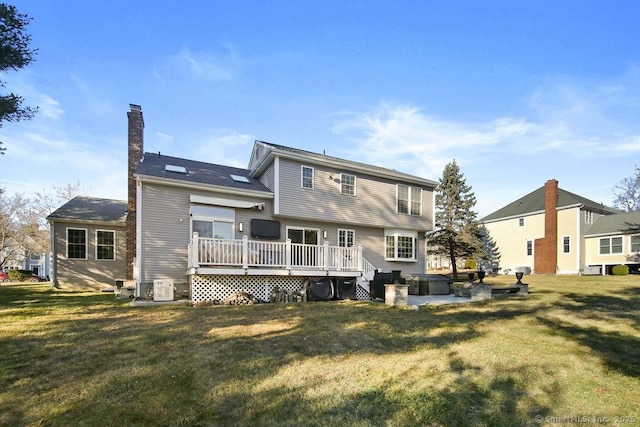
[14, 55]
[491, 256]
[457, 231]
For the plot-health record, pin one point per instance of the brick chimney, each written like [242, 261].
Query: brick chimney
[546, 248]
[135, 150]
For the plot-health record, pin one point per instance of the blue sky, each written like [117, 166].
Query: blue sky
[518, 92]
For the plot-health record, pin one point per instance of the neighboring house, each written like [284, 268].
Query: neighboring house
[22, 259]
[88, 243]
[553, 231]
[614, 240]
[292, 215]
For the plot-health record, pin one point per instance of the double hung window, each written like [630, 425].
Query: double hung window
[409, 200]
[76, 243]
[306, 175]
[105, 245]
[348, 184]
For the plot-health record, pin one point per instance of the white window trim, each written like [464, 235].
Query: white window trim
[346, 231]
[401, 233]
[611, 253]
[303, 229]
[86, 243]
[570, 245]
[313, 176]
[409, 201]
[630, 243]
[114, 245]
[588, 217]
[521, 222]
[355, 186]
[213, 218]
[533, 248]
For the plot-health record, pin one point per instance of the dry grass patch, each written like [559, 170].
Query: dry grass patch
[569, 348]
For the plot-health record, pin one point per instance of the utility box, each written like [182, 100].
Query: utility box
[163, 290]
[127, 292]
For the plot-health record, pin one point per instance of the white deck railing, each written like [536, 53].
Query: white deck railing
[245, 253]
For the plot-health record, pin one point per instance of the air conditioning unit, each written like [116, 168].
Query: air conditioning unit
[163, 290]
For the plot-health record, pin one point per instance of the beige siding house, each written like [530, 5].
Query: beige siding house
[553, 231]
[614, 240]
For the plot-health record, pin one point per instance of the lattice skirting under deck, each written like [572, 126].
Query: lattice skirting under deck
[206, 288]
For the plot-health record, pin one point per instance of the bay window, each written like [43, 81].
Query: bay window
[401, 245]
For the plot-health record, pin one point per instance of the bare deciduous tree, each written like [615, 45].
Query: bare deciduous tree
[627, 193]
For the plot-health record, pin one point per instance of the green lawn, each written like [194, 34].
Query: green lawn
[569, 351]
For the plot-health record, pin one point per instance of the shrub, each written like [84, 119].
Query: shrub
[621, 270]
[20, 275]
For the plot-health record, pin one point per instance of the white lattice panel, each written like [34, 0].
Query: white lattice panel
[218, 287]
[362, 294]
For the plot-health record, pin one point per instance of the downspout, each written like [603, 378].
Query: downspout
[579, 241]
[137, 261]
[52, 255]
[276, 186]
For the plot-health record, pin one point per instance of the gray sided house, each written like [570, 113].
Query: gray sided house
[203, 231]
[88, 243]
[291, 216]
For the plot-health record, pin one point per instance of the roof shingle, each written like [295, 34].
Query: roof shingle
[92, 209]
[153, 164]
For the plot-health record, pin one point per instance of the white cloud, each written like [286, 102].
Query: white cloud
[577, 120]
[224, 147]
[166, 138]
[48, 107]
[206, 65]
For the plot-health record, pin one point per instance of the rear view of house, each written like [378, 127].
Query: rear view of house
[292, 216]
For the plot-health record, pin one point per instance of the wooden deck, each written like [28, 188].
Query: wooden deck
[265, 258]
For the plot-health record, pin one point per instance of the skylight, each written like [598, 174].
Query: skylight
[239, 178]
[174, 168]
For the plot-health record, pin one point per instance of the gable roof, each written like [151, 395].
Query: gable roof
[534, 203]
[263, 153]
[91, 209]
[622, 223]
[155, 165]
